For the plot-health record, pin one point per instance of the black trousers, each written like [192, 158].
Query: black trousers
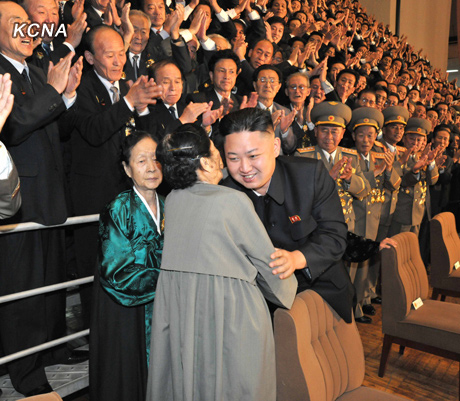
[29, 260]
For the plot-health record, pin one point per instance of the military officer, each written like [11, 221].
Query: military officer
[395, 119]
[378, 169]
[419, 171]
[330, 119]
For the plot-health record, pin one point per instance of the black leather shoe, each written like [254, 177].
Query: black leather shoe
[363, 319]
[376, 300]
[76, 356]
[369, 310]
[43, 389]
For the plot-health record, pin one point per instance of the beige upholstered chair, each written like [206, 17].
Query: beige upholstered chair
[435, 326]
[445, 252]
[44, 397]
[319, 357]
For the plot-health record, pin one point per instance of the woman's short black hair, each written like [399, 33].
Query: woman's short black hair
[131, 140]
[179, 154]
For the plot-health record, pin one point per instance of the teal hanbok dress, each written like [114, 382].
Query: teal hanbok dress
[130, 249]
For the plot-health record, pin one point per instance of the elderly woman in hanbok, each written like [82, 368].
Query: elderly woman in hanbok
[212, 335]
[130, 247]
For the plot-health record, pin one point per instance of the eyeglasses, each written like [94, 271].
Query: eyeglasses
[264, 80]
[294, 87]
[367, 101]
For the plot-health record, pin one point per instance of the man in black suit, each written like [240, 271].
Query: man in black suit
[297, 203]
[46, 12]
[106, 112]
[224, 67]
[34, 258]
[171, 112]
[140, 57]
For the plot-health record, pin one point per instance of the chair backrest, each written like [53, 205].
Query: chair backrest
[318, 355]
[445, 246]
[43, 397]
[404, 279]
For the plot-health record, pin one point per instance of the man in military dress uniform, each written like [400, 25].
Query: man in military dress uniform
[378, 169]
[419, 171]
[330, 119]
[395, 119]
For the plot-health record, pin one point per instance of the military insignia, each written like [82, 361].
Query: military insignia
[366, 120]
[353, 170]
[123, 75]
[206, 85]
[40, 55]
[419, 129]
[294, 219]
[333, 103]
[149, 63]
[331, 118]
[303, 150]
[399, 118]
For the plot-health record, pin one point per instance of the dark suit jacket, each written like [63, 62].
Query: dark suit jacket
[146, 60]
[42, 60]
[160, 121]
[302, 212]
[210, 95]
[161, 49]
[32, 137]
[96, 176]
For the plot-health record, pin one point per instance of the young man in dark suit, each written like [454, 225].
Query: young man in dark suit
[34, 258]
[224, 67]
[297, 202]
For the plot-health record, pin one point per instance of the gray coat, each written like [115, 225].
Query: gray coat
[212, 335]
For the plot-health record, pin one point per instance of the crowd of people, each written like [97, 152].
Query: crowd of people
[327, 122]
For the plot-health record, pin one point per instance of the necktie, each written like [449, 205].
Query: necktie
[172, 110]
[331, 161]
[46, 48]
[26, 77]
[135, 58]
[367, 164]
[116, 94]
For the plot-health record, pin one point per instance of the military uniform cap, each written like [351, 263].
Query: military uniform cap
[418, 126]
[366, 116]
[396, 114]
[331, 113]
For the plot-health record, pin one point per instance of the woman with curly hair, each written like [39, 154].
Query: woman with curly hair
[212, 335]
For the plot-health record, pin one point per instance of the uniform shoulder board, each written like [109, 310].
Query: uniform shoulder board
[378, 155]
[352, 151]
[379, 144]
[304, 150]
[401, 148]
[196, 91]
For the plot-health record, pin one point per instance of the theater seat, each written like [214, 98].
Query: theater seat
[44, 397]
[435, 326]
[445, 253]
[319, 357]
